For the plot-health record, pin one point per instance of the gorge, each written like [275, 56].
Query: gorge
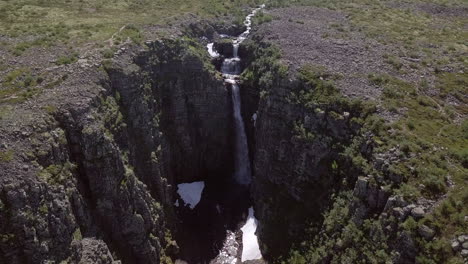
[293, 132]
[234, 189]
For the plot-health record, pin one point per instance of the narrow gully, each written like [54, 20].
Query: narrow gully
[217, 221]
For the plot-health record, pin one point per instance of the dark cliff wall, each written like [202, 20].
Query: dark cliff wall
[324, 190]
[101, 172]
[171, 93]
[302, 130]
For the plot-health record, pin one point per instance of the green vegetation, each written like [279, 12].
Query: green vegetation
[341, 240]
[418, 33]
[19, 85]
[7, 238]
[317, 90]
[77, 235]
[394, 61]
[63, 21]
[431, 142]
[57, 174]
[5, 111]
[170, 246]
[131, 32]
[109, 53]
[432, 151]
[261, 17]
[112, 117]
[302, 133]
[50, 109]
[67, 59]
[454, 85]
[6, 155]
[428, 136]
[43, 209]
[266, 66]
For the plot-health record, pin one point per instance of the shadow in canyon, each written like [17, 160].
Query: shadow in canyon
[202, 231]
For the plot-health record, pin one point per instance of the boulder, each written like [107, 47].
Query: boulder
[399, 213]
[418, 212]
[224, 47]
[360, 189]
[462, 238]
[465, 245]
[426, 232]
[455, 245]
[394, 201]
[464, 253]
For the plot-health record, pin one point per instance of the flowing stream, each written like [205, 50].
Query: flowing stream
[242, 163]
[231, 69]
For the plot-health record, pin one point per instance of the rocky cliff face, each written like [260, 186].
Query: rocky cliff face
[301, 136]
[188, 105]
[324, 189]
[95, 181]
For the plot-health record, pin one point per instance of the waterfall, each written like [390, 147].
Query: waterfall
[235, 50]
[242, 162]
[231, 70]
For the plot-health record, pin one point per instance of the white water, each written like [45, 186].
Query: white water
[231, 70]
[242, 161]
[248, 23]
[213, 53]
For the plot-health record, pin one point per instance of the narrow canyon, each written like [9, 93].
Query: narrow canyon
[289, 132]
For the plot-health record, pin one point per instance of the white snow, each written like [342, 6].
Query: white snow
[213, 53]
[250, 248]
[191, 192]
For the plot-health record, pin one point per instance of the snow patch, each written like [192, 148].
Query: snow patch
[191, 192]
[250, 247]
